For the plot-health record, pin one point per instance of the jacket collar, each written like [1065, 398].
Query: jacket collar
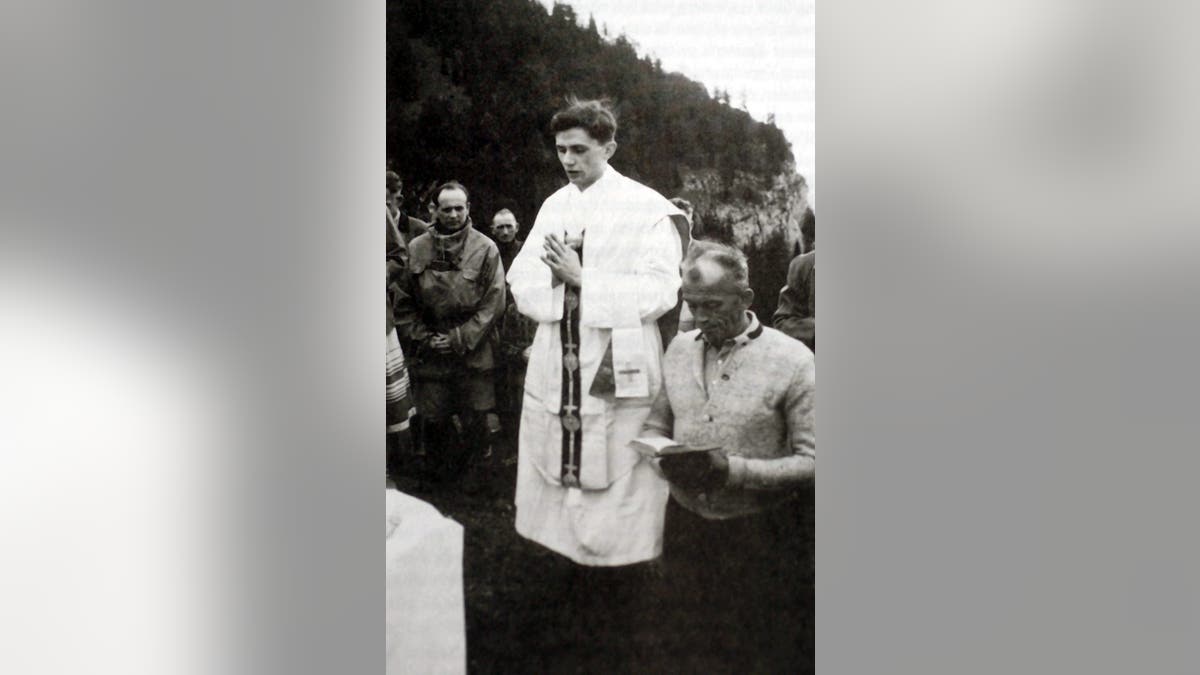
[460, 234]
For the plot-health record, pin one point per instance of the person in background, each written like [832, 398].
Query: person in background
[796, 314]
[684, 315]
[400, 230]
[808, 230]
[399, 404]
[406, 226]
[397, 260]
[505, 231]
[740, 396]
[398, 400]
[448, 311]
[429, 199]
[515, 332]
[685, 206]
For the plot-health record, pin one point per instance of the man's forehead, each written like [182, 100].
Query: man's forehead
[704, 272]
[451, 197]
[575, 136]
[705, 277]
[504, 220]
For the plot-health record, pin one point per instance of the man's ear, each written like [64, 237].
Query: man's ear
[748, 297]
[610, 149]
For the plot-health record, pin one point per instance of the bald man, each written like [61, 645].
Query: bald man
[737, 519]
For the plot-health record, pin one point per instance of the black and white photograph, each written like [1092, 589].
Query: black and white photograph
[601, 335]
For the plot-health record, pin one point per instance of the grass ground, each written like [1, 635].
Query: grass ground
[520, 598]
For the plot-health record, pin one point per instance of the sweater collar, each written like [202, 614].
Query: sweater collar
[753, 330]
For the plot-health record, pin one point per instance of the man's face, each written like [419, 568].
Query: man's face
[582, 157]
[504, 228]
[717, 304]
[393, 199]
[452, 209]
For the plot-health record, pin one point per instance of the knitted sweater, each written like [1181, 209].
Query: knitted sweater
[759, 410]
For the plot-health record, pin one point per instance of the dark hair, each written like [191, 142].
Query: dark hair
[427, 195]
[732, 260]
[448, 185]
[594, 117]
[394, 182]
[808, 229]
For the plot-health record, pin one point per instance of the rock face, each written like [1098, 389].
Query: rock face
[742, 210]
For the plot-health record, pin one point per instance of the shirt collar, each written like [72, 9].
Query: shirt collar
[753, 330]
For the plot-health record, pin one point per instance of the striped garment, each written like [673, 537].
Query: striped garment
[400, 407]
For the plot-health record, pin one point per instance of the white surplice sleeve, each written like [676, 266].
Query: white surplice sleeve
[530, 280]
[652, 289]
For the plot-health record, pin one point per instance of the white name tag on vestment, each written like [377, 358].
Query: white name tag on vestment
[629, 363]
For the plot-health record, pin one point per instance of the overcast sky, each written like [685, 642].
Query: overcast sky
[762, 48]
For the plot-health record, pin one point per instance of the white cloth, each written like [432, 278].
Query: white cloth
[631, 255]
[426, 625]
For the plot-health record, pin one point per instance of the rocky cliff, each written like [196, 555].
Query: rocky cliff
[742, 210]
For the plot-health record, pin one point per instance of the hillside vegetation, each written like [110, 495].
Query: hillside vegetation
[471, 87]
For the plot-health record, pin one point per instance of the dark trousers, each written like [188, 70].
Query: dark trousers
[741, 590]
[454, 407]
[452, 447]
[589, 620]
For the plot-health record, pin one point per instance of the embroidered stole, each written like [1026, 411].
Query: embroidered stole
[572, 384]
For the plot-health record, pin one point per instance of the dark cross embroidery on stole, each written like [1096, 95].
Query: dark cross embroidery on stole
[572, 424]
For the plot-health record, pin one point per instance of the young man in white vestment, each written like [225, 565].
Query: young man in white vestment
[599, 267]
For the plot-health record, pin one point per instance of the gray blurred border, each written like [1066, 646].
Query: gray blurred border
[1008, 209]
[208, 174]
[1008, 429]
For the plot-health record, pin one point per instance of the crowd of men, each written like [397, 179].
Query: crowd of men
[606, 331]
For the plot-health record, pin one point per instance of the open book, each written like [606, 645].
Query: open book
[657, 446]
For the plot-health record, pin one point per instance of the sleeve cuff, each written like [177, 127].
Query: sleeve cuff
[456, 341]
[541, 304]
[737, 471]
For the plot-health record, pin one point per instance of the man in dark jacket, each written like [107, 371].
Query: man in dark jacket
[446, 314]
[515, 330]
[797, 311]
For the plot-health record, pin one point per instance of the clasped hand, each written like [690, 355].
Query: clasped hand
[696, 470]
[440, 343]
[562, 260]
